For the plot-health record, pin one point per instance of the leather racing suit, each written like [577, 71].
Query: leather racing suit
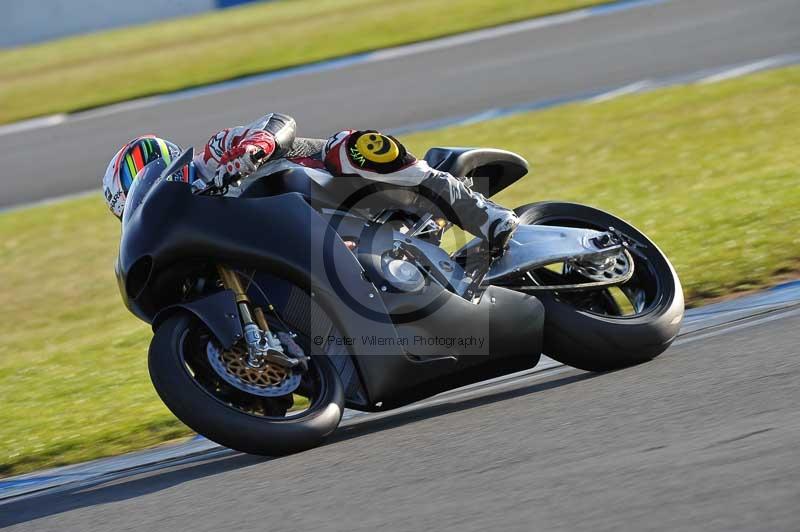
[366, 154]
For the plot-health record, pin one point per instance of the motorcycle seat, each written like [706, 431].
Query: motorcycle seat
[491, 170]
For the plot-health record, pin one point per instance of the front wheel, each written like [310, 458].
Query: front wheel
[258, 421]
[606, 329]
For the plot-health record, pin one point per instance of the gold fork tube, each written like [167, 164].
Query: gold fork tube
[232, 282]
[261, 320]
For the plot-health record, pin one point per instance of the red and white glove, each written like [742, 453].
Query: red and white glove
[245, 156]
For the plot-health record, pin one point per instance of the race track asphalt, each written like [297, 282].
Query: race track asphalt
[703, 438]
[570, 59]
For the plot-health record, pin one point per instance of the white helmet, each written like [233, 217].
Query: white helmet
[129, 161]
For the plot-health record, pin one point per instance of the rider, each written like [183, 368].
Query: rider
[240, 151]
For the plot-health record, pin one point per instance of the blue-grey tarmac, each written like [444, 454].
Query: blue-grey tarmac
[573, 56]
[703, 438]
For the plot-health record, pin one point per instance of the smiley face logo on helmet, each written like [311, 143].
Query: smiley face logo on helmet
[377, 148]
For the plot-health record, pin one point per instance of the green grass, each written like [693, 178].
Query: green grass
[711, 172]
[92, 70]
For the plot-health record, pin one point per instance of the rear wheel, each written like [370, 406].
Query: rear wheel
[605, 329]
[214, 393]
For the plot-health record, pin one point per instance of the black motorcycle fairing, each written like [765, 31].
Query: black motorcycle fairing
[174, 231]
[491, 170]
[512, 326]
[147, 177]
[328, 195]
[324, 191]
[509, 321]
[281, 235]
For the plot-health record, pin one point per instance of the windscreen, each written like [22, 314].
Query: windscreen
[147, 178]
[142, 183]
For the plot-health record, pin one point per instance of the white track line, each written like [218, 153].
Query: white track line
[637, 86]
[745, 324]
[488, 114]
[34, 123]
[341, 62]
[481, 35]
[744, 70]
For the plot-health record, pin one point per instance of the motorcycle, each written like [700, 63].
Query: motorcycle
[293, 295]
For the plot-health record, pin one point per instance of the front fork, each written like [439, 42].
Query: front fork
[263, 347]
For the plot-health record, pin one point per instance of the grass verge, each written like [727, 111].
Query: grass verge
[711, 172]
[91, 70]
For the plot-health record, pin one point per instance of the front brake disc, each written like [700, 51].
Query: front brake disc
[268, 380]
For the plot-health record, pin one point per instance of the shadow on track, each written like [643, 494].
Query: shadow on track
[138, 484]
[369, 426]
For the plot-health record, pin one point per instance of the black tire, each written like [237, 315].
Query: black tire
[595, 342]
[222, 423]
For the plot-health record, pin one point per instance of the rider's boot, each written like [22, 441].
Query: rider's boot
[472, 211]
[500, 232]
